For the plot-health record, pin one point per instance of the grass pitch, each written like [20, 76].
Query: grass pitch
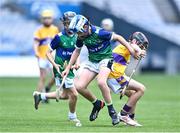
[158, 110]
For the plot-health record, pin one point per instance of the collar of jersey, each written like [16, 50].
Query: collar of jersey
[93, 29]
[63, 32]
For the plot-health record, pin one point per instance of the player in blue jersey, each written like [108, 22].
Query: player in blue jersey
[64, 45]
[97, 41]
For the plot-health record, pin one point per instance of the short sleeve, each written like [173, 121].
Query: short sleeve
[79, 44]
[56, 30]
[55, 42]
[104, 34]
[37, 35]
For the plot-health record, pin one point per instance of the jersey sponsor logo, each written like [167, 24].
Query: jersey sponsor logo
[66, 53]
[98, 48]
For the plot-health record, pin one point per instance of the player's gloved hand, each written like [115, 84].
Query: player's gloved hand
[57, 66]
[66, 71]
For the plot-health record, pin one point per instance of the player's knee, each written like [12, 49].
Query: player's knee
[42, 79]
[74, 96]
[129, 93]
[79, 86]
[102, 84]
[142, 89]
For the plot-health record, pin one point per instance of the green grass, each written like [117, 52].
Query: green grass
[158, 110]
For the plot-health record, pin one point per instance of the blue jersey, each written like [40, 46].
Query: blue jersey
[64, 46]
[97, 43]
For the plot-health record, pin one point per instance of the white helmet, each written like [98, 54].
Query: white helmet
[77, 23]
[107, 24]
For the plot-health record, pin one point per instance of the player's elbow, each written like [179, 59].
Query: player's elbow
[79, 86]
[77, 51]
[117, 37]
[74, 96]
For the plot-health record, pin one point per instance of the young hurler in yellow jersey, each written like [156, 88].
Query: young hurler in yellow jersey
[118, 80]
[43, 37]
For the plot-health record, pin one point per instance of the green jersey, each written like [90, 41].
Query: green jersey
[98, 44]
[64, 46]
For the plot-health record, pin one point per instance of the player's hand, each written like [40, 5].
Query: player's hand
[57, 66]
[137, 56]
[137, 51]
[75, 66]
[66, 71]
[37, 55]
[143, 53]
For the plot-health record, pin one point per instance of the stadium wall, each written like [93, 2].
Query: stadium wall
[18, 66]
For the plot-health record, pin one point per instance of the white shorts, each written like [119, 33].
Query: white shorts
[95, 67]
[115, 86]
[69, 83]
[44, 63]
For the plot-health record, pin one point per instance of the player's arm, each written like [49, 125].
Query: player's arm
[36, 43]
[104, 34]
[53, 46]
[122, 41]
[74, 57]
[72, 61]
[50, 57]
[77, 64]
[35, 47]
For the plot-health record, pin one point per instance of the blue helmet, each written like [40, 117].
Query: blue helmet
[68, 16]
[77, 23]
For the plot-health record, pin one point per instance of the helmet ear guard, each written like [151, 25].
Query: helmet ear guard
[141, 39]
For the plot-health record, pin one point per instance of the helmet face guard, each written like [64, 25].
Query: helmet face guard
[79, 24]
[141, 39]
[66, 19]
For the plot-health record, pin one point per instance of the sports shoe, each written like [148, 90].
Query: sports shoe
[126, 119]
[76, 121]
[47, 89]
[137, 125]
[45, 101]
[114, 117]
[95, 110]
[37, 99]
